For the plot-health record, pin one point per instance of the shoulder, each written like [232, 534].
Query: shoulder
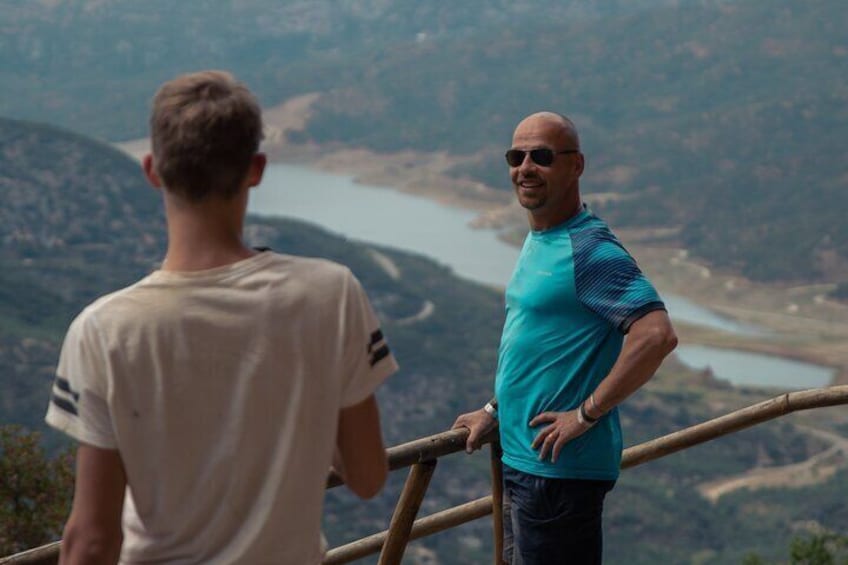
[593, 236]
[316, 270]
[597, 250]
[103, 309]
[312, 279]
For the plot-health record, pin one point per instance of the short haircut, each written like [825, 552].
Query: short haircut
[205, 128]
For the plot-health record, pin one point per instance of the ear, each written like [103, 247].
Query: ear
[150, 171]
[257, 168]
[579, 164]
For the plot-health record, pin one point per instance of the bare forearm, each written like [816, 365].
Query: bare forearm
[361, 453]
[650, 341]
[81, 548]
[93, 532]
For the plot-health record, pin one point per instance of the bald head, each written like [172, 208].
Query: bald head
[545, 164]
[566, 130]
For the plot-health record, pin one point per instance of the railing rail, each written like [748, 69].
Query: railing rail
[422, 453]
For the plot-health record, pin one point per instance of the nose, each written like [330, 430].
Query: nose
[527, 163]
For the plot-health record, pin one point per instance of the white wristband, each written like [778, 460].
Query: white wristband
[581, 418]
[491, 410]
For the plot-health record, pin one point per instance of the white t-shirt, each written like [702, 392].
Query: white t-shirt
[221, 390]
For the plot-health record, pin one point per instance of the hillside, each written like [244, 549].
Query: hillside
[84, 223]
[721, 120]
[92, 66]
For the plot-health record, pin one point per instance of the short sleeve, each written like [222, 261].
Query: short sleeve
[608, 280]
[78, 405]
[368, 359]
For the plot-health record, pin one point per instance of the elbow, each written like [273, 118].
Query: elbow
[668, 341]
[662, 339]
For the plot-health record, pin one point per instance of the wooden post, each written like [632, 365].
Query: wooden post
[406, 511]
[497, 499]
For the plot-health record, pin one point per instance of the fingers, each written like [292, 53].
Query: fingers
[477, 423]
[540, 437]
[548, 438]
[557, 448]
[544, 417]
[551, 439]
[472, 443]
[541, 442]
[460, 423]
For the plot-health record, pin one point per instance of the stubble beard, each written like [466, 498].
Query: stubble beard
[530, 203]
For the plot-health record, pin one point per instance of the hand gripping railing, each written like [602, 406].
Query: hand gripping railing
[421, 455]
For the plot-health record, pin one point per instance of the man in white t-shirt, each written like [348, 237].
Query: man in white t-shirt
[210, 398]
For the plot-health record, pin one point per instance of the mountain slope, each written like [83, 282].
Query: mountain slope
[91, 225]
[722, 120]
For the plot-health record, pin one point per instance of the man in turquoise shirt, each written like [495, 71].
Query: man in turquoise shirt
[563, 363]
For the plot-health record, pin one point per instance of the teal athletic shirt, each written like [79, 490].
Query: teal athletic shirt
[573, 295]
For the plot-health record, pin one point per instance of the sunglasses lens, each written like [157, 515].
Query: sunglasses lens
[543, 157]
[514, 157]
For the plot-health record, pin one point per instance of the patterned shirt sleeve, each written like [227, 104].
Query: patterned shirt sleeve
[608, 280]
[78, 404]
[368, 359]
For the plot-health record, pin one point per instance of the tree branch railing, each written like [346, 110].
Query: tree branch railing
[422, 454]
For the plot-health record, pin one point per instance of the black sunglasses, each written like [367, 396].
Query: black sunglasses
[541, 156]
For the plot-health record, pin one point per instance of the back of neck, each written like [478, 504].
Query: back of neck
[204, 237]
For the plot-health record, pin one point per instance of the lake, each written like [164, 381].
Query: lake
[391, 218]
[755, 369]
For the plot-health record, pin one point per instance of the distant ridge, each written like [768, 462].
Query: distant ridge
[722, 120]
[78, 220]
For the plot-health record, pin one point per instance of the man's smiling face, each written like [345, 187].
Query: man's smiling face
[550, 193]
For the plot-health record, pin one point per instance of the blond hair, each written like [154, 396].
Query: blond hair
[205, 128]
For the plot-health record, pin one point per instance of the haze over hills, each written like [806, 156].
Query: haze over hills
[92, 225]
[724, 121]
[721, 120]
[91, 65]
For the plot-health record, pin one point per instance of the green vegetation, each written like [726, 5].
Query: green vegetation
[35, 491]
[93, 67]
[724, 119]
[79, 222]
[841, 292]
[813, 549]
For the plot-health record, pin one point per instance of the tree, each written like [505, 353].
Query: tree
[35, 490]
[812, 549]
[819, 549]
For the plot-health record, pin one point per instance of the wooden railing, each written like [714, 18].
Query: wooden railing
[421, 457]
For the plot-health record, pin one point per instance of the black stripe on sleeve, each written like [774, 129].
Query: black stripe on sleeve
[63, 384]
[376, 337]
[64, 404]
[379, 355]
[638, 313]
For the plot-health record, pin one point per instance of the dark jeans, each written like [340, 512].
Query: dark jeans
[552, 521]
